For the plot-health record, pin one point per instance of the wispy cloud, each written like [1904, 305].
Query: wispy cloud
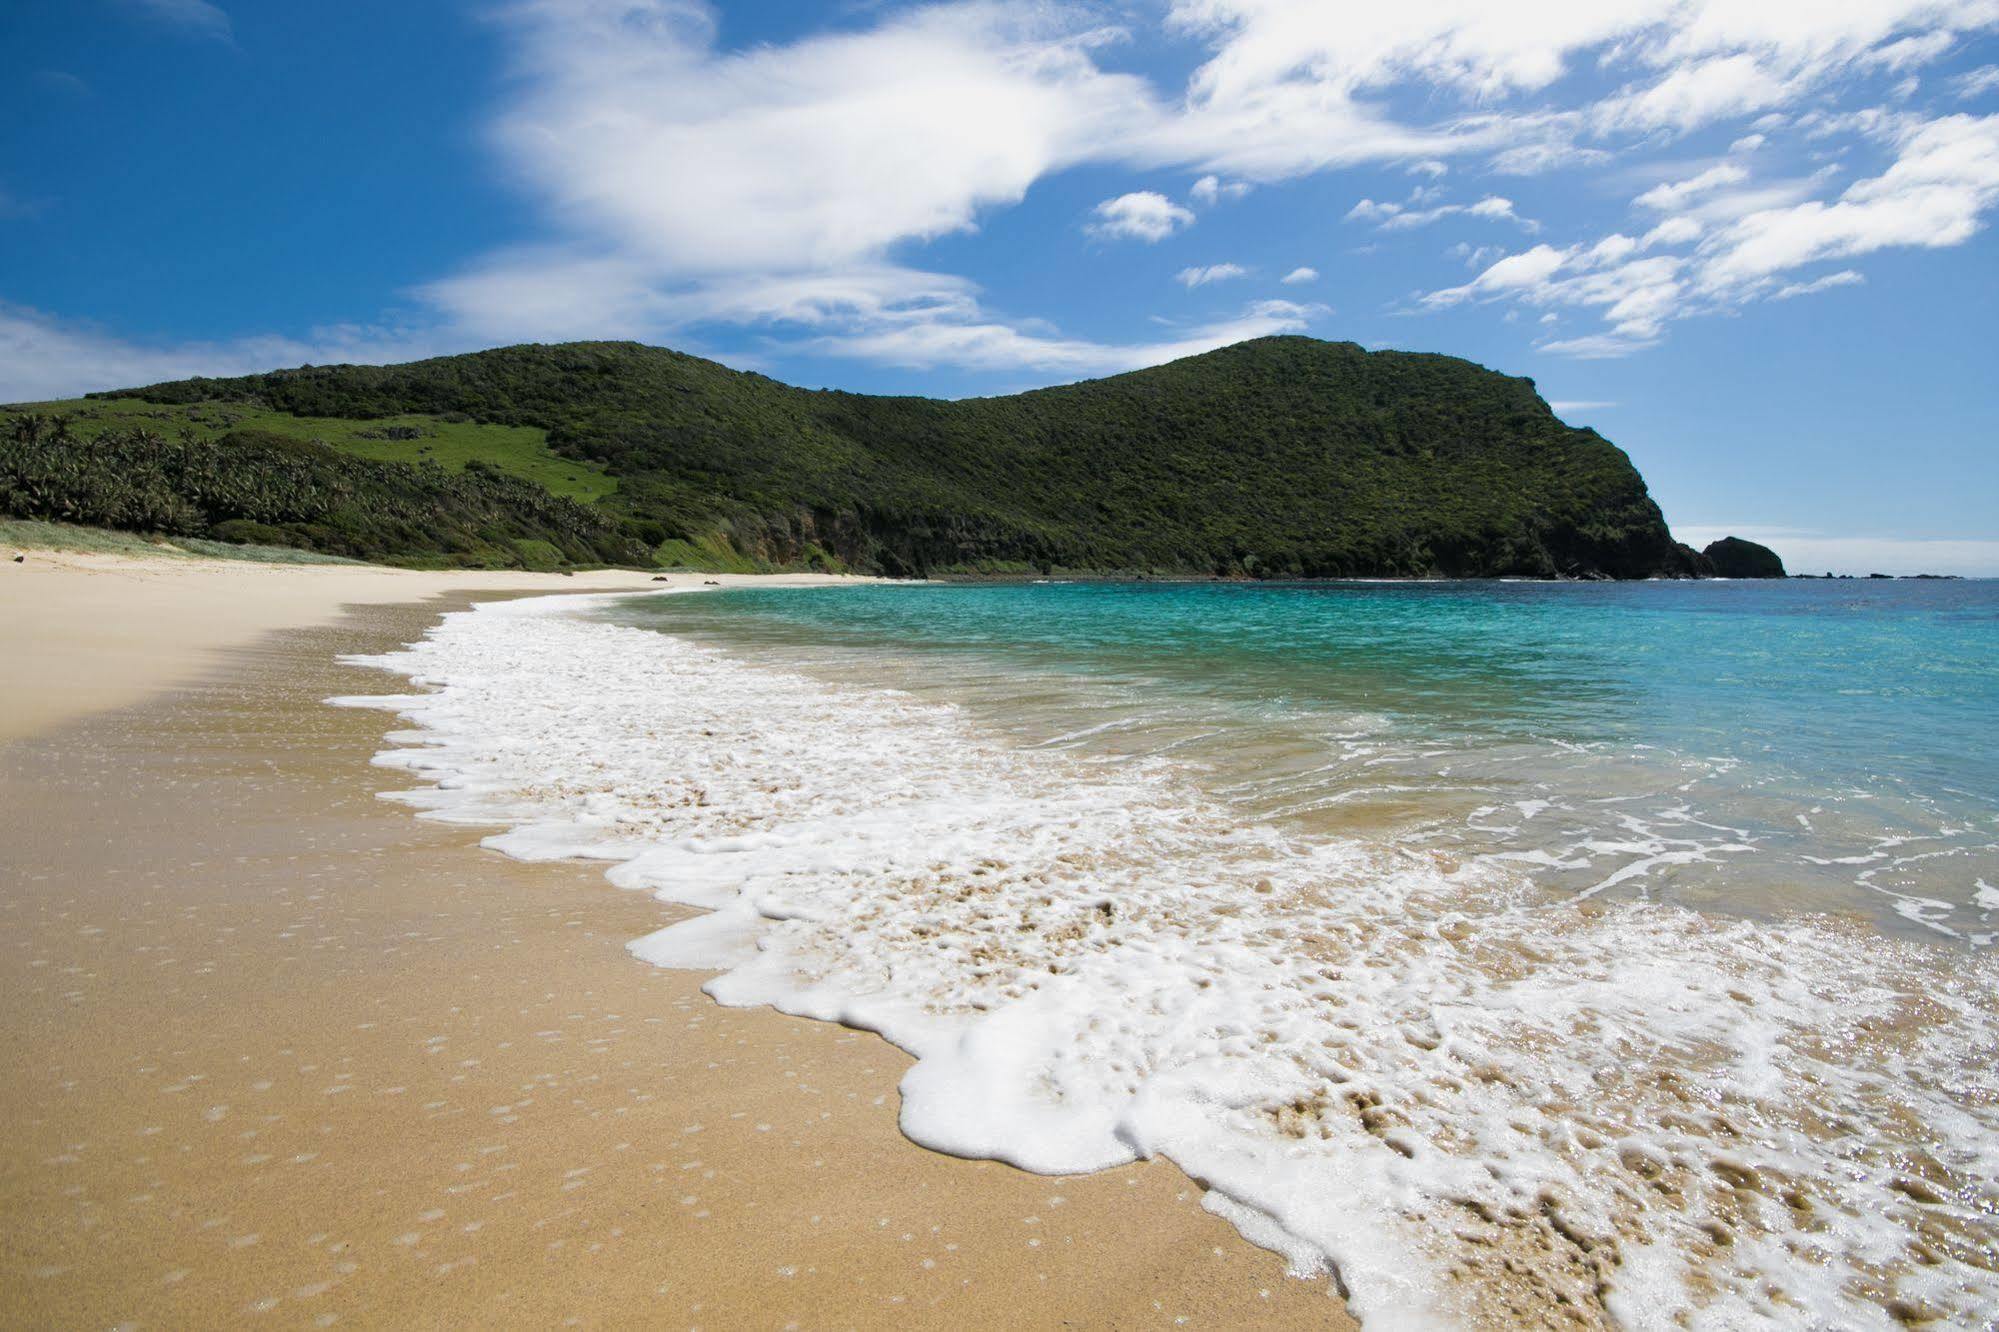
[1676, 195]
[62, 81]
[1389, 216]
[196, 16]
[1202, 276]
[13, 206]
[1846, 277]
[1211, 189]
[993, 346]
[42, 357]
[1976, 82]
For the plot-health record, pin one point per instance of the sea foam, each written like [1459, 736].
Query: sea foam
[1463, 1097]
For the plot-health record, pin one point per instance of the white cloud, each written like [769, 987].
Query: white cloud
[197, 16]
[1201, 277]
[1671, 198]
[1673, 231]
[1936, 193]
[1976, 82]
[530, 295]
[1545, 155]
[42, 357]
[1910, 52]
[1748, 143]
[987, 346]
[1636, 295]
[1562, 408]
[1408, 217]
[1697, 94]
[644, 138]
[1516, 272]
[784, 184]
[1210, 189]
[1143, 215]
[1475, 256]
[1597, 346]
[1299, 275]
[1846, 277]
[1296, 85]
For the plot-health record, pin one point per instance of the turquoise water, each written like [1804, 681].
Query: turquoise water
[1746, 747]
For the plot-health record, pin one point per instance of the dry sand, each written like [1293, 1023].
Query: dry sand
[83, 632]
[276, 1053]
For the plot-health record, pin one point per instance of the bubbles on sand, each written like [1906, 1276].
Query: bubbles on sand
[1460, 1094]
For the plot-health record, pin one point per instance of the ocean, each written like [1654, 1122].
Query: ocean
[1505, 952]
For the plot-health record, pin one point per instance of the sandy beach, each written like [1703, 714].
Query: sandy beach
[278, 1053]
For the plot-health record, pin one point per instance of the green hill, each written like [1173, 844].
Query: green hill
[1284, 457]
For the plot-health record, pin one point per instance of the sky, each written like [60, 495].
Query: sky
[1749, 241]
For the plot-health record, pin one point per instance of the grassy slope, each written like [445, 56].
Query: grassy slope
[519, 450]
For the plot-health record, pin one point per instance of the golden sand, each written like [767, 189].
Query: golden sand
[277, 1053]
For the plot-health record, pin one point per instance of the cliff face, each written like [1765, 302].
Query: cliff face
[1282, 457]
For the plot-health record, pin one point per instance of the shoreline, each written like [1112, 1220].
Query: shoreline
[90, 631]
[280, 1048]
[895, 866]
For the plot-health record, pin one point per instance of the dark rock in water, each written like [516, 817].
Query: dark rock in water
[1686, 562]
[1732, 557]
[1880, 575]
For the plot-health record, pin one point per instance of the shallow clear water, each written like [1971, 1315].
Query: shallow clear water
[1755, 747]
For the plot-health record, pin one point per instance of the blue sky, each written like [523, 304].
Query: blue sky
[1750, 243]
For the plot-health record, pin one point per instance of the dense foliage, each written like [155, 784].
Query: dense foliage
[1279, 457]
[1733, 557]
[250, 486]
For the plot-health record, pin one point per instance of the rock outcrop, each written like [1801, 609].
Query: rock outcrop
[1733, 557]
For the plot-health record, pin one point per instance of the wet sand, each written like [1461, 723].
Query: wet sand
[276, 1052]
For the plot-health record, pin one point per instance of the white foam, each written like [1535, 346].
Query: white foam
[1462, 1094]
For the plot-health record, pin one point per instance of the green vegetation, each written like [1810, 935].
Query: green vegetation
[450, 442]
[254, 488]
[1282, 457]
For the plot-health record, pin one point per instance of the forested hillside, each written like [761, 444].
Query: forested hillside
[1282, 457]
